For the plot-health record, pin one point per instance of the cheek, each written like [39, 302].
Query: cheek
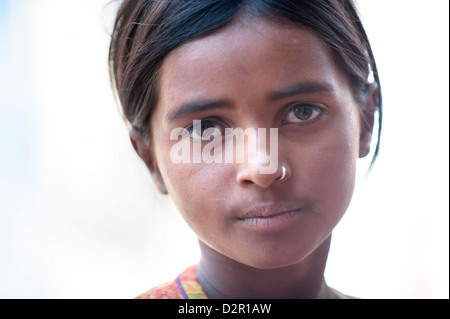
[336, 168]
[185, 190]
[338, 173]
[196, 190]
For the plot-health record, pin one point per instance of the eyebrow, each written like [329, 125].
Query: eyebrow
[187, 109]
[303, 88]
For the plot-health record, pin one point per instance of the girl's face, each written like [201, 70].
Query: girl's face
[255, 74]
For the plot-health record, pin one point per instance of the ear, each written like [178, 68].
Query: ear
[368, 108]
[143, 148]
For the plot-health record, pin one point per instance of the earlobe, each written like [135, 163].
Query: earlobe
[368, 109]
[142, 146]
[364, 145]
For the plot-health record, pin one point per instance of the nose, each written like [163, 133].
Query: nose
[260, 168]
[251, 174]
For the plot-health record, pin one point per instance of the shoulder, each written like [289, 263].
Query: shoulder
[185, 286]
[340, 295]
[166, 291]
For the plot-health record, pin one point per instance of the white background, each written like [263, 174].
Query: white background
[80, 218]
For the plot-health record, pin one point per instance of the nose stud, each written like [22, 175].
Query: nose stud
[283, 173]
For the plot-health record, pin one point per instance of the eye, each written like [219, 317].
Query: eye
[302, 113]
[205, 130]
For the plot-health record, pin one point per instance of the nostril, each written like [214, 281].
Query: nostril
[247, 182]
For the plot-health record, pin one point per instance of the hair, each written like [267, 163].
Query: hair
[146, 31]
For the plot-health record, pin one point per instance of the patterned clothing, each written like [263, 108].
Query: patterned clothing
[187, 286]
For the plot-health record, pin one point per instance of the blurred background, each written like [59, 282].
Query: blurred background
[80, 217]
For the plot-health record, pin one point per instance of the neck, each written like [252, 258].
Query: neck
[222, 277]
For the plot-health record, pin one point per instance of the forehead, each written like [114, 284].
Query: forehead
[246, 57]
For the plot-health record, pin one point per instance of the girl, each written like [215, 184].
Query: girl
[301, 67]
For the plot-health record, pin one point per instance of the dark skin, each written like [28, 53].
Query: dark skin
[305, 282]
[261, 237]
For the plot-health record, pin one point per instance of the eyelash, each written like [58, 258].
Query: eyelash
[316, 112]
[214, 123]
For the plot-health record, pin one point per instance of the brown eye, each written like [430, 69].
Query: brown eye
[302, 113]
[205, 130]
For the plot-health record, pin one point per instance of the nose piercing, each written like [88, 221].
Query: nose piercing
[283, 173]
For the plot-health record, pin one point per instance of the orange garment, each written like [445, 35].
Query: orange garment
[187, 286]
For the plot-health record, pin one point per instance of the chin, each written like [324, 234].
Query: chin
[281, 256]
[273, 260]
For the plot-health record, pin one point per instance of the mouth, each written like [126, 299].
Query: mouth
[269, 217]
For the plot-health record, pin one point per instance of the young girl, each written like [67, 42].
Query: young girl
[301, 67]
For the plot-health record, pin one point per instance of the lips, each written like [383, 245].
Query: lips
[269, 216]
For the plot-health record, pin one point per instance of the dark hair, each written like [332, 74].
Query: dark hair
[146, 31]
